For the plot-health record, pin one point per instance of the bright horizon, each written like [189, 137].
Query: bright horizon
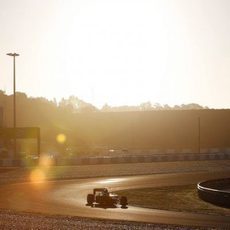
[118, 52]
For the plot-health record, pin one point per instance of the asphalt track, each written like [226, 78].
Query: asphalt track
[69, 198]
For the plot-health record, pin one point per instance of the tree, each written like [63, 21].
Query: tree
[74, 104]
[146, 106]
[106, 108]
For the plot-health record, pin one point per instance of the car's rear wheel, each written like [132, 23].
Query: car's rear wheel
[90, 199]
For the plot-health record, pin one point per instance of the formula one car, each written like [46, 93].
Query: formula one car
[102, 197]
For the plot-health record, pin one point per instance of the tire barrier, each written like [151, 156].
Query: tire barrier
[216, 192]
[122, 159]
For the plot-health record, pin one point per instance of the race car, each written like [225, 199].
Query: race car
[102, 197]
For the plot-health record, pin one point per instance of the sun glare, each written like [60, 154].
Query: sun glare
[111, 181]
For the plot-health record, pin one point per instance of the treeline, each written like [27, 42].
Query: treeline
[75, 105]
[148, 106]
[87, 127]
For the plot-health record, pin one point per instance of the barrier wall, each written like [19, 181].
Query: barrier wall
[216, 192]
[122, 159]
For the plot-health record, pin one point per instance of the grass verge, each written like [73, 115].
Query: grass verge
[176, 198]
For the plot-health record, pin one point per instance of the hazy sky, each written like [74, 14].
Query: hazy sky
[118, 52]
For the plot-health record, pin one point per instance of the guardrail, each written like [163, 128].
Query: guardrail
[141, 158]
[215, 191]
[121, 159]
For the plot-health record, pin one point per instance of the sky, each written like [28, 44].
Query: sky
[119, 52]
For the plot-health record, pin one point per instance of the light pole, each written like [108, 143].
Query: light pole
[199, 135]
[14, 104]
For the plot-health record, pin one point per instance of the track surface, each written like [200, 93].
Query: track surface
[69, 198]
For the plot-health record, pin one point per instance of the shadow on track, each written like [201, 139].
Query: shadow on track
[106, 206]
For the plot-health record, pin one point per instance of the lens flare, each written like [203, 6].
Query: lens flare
[61, 138]
[46, 161]
[37, 175]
